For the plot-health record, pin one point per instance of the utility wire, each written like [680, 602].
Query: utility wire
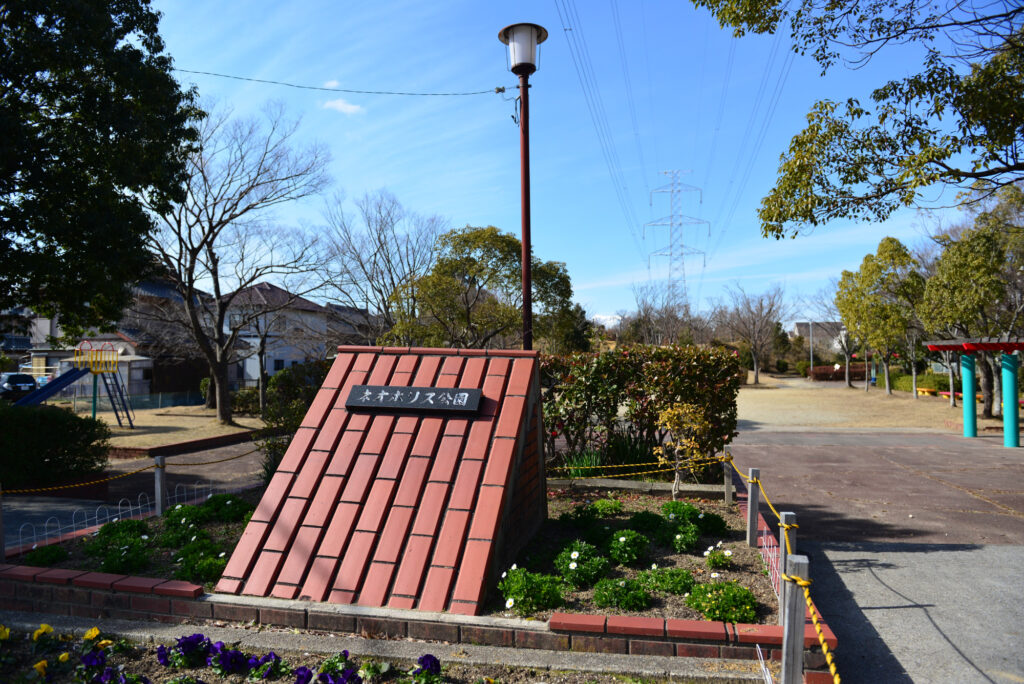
[573, 32]
[499, 89]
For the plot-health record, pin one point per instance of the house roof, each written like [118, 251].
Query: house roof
[403, 509]
[270, 296]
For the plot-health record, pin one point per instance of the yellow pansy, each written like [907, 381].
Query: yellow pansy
[92, 633]
[40, 667]
[104, 643]
[43, 629]
[64, 657]
[5, 633]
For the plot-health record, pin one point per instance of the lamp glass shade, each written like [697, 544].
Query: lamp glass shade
[522, 41]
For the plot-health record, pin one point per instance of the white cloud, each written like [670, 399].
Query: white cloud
[331, 84]
[343, 106]
[609, 321]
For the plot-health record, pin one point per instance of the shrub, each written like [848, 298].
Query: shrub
[679, 511]
[723, 601]
[528, 592]
[227, 508]
[121, 546]
[46, 445]
[782, 365]
[45, 556]
[182, 523]
[203, 571]
[801, 367]
[711, 524]
[290, 393]
[686, 538]
[935, 381]
[624, 594]
[652, 525]
[717, 559]
[627, 547]
[607, 507]
[247, 401]
[581, 564]
[668, 580]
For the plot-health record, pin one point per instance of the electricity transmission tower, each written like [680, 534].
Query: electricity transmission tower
[676, 250]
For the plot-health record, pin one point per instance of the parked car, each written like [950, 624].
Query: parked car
[14, 386]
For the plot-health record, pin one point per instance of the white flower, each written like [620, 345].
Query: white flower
[114, 520]
[679, 536]
[622, 583]
[503, 575]
[718, 544]
[687, 594]
[178, 561]
[572, 566]
[622, 539]
[700, 517]
[654, 566]
[510, 603]
[574, 555]
[714, 575]
[34, 546]
[711, 548]
[222, 554]
[671, 516]
[728, 552]
[193, 538]
[145, 537]
[513, 567]
[183, 521]
[177, 507]
[707, 553]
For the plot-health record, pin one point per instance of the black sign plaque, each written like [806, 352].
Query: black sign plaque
[449, 400]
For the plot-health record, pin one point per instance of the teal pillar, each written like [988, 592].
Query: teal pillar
[1011, 409]
[970, 416]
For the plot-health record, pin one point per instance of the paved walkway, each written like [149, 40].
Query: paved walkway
[916, 542]
[25, 516]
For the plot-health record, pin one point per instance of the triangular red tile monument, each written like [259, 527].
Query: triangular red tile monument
[416, 476]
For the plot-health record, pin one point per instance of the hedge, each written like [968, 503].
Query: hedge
[590, 399]
[822, 373]
[905, 383]
[46, 445]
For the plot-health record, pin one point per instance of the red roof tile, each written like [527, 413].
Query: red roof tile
[399, 509]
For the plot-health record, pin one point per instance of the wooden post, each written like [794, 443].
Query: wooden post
[793, 624]
[753, 500]
[3, 547]
[784, 587]
[160, 483]
[727, 480]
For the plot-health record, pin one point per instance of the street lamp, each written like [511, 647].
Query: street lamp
[522, 41]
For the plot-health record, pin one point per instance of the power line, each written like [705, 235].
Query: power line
[499, 89]
[573, 31]
[629, 91]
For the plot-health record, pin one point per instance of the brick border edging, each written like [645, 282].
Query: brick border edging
[101, 595]
[183, 447]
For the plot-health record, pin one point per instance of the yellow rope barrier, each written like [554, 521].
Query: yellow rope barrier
[624, 465]
[72, 486]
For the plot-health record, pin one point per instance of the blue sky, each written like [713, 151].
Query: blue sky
[678, 92]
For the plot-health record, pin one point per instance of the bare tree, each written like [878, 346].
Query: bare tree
[371, 259]
[660, 318]
[222, 237]
[752, 319]
[823, 306]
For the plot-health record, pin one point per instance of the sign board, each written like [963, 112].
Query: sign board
[449, 400]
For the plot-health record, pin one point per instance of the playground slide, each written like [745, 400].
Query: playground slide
[53, 387]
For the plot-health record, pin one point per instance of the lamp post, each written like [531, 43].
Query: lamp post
[522, 41]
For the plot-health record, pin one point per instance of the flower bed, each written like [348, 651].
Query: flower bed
[640, 555]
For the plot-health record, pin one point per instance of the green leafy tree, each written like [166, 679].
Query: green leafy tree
[565, 331]
[955, 122]
[91, 117]
[976, 287]
[877, 302]
[473, 295]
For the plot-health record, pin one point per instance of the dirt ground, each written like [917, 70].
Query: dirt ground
[832, 404]
[157, 427]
